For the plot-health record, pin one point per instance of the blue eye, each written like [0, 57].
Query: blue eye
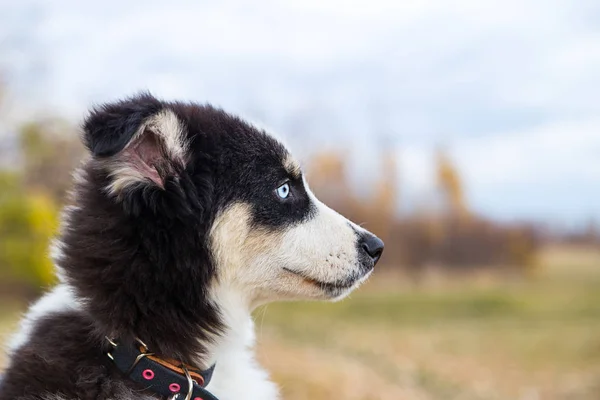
[283, 191]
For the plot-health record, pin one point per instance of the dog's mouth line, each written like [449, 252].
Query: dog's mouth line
[342, 284]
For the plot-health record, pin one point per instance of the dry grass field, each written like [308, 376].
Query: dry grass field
[533, 339]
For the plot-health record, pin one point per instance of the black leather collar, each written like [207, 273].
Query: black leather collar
[142, 367]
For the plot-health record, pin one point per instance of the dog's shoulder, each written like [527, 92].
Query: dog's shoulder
[57, 355]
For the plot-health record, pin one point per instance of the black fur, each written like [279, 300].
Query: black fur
[141, 262]
[110, 127]
[64, 357]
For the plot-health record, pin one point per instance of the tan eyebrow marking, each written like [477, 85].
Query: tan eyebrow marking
[292, 167]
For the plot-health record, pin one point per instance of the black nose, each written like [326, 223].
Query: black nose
[372, 245]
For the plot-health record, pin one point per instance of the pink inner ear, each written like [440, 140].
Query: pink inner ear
[144, 155]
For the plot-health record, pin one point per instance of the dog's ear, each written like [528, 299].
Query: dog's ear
[138, 140]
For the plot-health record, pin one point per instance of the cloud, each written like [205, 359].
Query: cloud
[550, 170]
[510, 87]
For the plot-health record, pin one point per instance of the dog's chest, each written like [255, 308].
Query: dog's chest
[238, 376]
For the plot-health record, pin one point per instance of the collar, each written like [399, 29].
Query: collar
[167, 377]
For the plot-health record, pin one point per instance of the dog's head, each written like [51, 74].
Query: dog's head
[266, 233]
[188, 197]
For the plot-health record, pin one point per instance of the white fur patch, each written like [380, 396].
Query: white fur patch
[56, 255]
[167, 125]
[292, 166]
[123, 176]
[59, 299]
[324, 247]
[237, 374]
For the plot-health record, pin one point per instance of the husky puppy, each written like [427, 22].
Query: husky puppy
[182, 221]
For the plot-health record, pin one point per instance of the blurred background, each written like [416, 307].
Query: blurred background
[465, 133]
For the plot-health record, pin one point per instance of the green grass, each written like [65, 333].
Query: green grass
[505, 341]
[524, 304]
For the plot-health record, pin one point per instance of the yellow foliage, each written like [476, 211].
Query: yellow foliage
[451, 185]
[27, 222]
[44, 222]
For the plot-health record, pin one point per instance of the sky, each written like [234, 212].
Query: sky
[510, 89]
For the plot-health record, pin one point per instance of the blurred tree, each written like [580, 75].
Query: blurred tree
[382, 207]
[27, 221]
[451, 186]
[327, 172]
[51, 150]
[31, 190]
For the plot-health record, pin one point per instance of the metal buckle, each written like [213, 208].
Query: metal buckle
[137, 339]
[113, 344]
[137, 359]
[140, 356]
[188, 396]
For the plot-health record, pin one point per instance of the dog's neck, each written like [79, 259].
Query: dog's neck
[238, 327]
[237, 374]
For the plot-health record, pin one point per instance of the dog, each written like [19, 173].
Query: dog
[182, 220]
